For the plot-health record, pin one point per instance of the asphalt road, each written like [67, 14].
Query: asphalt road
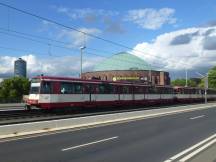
[154, 139]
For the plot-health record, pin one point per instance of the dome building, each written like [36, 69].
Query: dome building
[127, 67]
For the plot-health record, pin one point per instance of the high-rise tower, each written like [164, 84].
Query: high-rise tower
[20, 68]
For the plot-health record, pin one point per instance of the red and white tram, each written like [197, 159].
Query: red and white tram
[59, 92]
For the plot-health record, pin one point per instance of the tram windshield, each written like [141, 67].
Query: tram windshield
[35, 86]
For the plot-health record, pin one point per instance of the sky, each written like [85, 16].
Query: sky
[171, 35]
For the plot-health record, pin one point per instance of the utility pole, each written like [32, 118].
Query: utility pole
[186, 78]
[206, 86]
[81, 59]
[150, 74]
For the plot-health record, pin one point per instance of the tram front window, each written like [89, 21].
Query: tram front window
[35, 86]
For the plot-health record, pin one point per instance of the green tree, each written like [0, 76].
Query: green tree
[182, 82]
[212, 78]
[178, 82]
[201, 85]
[13, 89]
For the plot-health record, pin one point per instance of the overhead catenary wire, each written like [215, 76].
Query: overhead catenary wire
[75, 29]
[53, 55]
[75, 49]
[31, 52]
[88, 53]
[67, 48]
[34, 36]
[57, 41]
[52, 40]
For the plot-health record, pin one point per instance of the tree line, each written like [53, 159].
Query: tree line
[13, 89]
[198, 82]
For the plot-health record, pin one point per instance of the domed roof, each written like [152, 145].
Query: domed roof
[122, 61]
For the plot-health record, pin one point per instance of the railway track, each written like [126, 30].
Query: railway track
[22, 116]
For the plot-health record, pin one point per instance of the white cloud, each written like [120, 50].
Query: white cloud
[78, 39]
[62, 9]
[109, 18]
[6, 64]
[150, 18]
[190, 48]
[62, 66]
[88, 14]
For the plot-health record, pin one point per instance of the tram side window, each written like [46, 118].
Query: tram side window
[46, 88]
[101, 88]
[165, 90]
[114, 89]
[125, 89]
[138, 90]
[152, 90]
[145, 90]
[171, 91]
[176, 91]
[186, 91]
[78, 88]
[110, 89]
[67, 88]
[87, 88]
[157, 90]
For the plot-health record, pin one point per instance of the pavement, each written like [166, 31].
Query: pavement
[148, 140]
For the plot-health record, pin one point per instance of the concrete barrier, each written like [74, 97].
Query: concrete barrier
[54, 125]
[9, 105]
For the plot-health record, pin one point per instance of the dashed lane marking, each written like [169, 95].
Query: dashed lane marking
[197, 117]
[90, 143]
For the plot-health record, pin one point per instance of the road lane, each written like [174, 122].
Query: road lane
[154, 139]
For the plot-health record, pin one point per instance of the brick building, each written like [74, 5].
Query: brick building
[127, 67]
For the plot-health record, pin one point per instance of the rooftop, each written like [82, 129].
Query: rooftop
[122, 61]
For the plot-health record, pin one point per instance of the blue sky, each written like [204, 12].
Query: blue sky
[141, 25]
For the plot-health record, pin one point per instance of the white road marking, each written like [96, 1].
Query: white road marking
[196, 117]
[197, 151]
[90, 143]
[190, 149]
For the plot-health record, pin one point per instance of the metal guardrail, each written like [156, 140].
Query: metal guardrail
[7, 105]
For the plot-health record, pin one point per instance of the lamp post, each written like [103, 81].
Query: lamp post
[206, 84]
[81, 53]
[186, 78]
[150, 74]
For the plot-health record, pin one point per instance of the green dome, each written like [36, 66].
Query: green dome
[122, 61]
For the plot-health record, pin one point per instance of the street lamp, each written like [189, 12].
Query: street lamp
[81, 53]
[206, 84]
